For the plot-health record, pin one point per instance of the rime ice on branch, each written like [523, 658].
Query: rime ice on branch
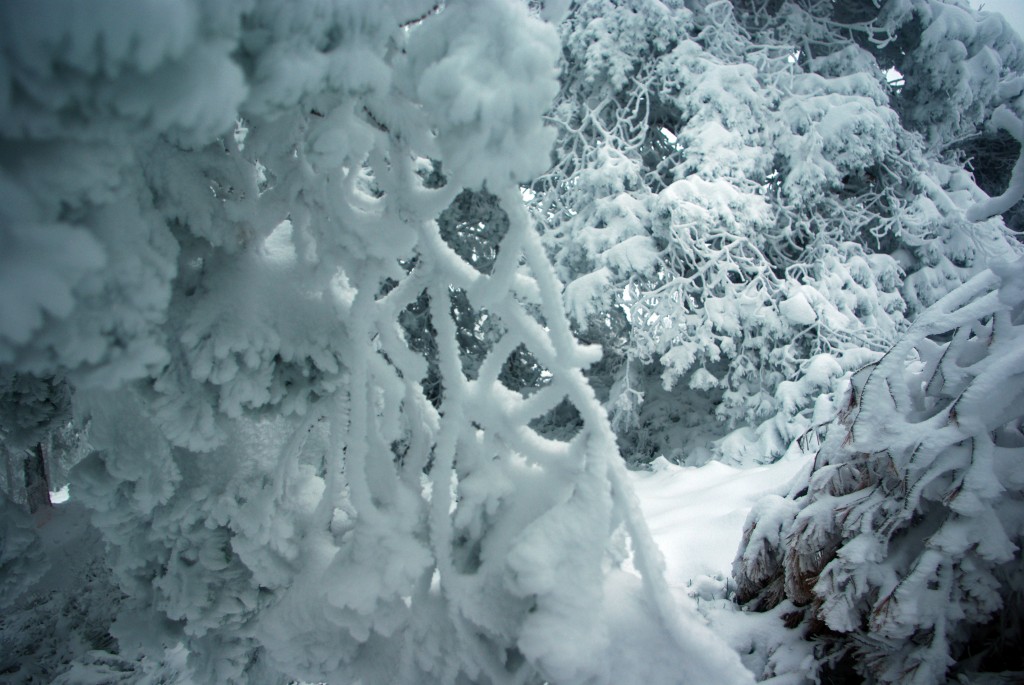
[215, 218]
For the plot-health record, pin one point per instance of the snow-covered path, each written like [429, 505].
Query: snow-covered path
[696, 515]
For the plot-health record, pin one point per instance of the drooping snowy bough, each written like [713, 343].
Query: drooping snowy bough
[215, 218]
[902, 551]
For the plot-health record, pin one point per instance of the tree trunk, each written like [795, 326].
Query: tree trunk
[9, 466]
[37, 481]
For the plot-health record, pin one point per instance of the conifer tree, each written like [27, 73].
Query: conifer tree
[743, 207]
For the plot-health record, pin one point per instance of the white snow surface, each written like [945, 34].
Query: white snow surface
[696, 514]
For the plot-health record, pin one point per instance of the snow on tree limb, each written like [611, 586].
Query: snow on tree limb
[252, 199]
[1006, 120]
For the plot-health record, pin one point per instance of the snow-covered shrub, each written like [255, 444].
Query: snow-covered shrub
[902, 550]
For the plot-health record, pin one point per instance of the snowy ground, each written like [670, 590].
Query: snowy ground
[696, 515]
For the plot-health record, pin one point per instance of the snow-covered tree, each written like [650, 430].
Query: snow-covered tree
[743, 207]
[251, 236]
[345, 422]
[901, 550]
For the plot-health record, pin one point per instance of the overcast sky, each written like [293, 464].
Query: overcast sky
[1013, 10]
